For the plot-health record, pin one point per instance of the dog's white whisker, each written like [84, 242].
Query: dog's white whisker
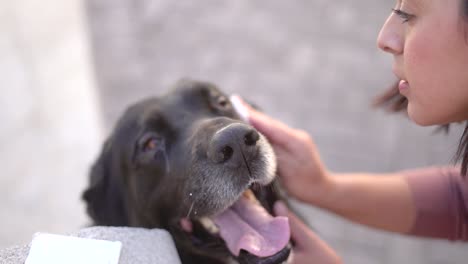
[190, 210]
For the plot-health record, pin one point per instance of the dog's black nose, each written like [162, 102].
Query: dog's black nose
[234, 143]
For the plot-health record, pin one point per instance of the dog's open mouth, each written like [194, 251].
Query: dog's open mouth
[249, 230]
[246, 225]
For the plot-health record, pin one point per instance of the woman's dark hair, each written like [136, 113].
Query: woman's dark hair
[464, 9]
[462, 152]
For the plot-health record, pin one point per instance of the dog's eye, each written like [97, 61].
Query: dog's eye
[151, 144]
[222, 102]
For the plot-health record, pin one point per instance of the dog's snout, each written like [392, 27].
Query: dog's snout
[234, 144]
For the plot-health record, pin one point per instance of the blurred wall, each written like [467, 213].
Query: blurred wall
[49, 120]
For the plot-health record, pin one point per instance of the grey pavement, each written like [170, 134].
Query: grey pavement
[70, 72]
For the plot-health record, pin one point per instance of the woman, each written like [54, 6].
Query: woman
[429, 42]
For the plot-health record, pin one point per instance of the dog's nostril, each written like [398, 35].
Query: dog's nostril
[227, 152]
[233, 144]
[251, 138]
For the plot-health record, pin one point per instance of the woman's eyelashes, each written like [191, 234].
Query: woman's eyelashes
[403, 15]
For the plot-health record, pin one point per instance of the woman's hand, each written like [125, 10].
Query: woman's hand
[308, 248]
[301, 171]
[365, 198]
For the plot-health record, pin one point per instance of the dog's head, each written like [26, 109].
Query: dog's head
[187, 163]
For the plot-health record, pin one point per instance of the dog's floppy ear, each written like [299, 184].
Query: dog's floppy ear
[104, 197]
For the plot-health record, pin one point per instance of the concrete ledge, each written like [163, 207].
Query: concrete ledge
[139, 245]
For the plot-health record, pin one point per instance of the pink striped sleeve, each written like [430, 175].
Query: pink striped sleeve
[441, 200]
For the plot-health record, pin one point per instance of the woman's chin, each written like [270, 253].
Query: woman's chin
[421, 118]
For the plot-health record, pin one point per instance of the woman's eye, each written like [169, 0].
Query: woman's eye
[403, 15]
[151, 144]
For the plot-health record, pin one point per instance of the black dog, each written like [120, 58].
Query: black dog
[185, 162]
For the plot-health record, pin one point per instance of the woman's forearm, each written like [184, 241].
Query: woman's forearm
[381, 201]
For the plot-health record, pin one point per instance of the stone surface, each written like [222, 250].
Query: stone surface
[139, 245]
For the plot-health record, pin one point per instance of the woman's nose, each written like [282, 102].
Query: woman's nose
[391, 36]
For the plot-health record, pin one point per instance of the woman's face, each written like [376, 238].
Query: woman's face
[427, 40]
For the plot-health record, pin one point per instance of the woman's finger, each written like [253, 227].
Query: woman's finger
[308, 245]
[276, 131]
[300, 232]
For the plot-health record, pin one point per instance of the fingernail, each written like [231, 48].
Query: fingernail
[280, 208]
[240, 107]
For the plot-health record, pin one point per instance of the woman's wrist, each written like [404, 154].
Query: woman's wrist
[322, 191]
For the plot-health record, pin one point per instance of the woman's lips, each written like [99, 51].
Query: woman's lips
[403, 85]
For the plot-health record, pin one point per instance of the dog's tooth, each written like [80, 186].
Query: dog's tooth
[209, 225]
[249, 194]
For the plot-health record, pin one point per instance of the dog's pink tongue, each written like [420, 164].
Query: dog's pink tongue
[247, 225]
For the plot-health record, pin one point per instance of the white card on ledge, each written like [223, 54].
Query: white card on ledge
[54, 249]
